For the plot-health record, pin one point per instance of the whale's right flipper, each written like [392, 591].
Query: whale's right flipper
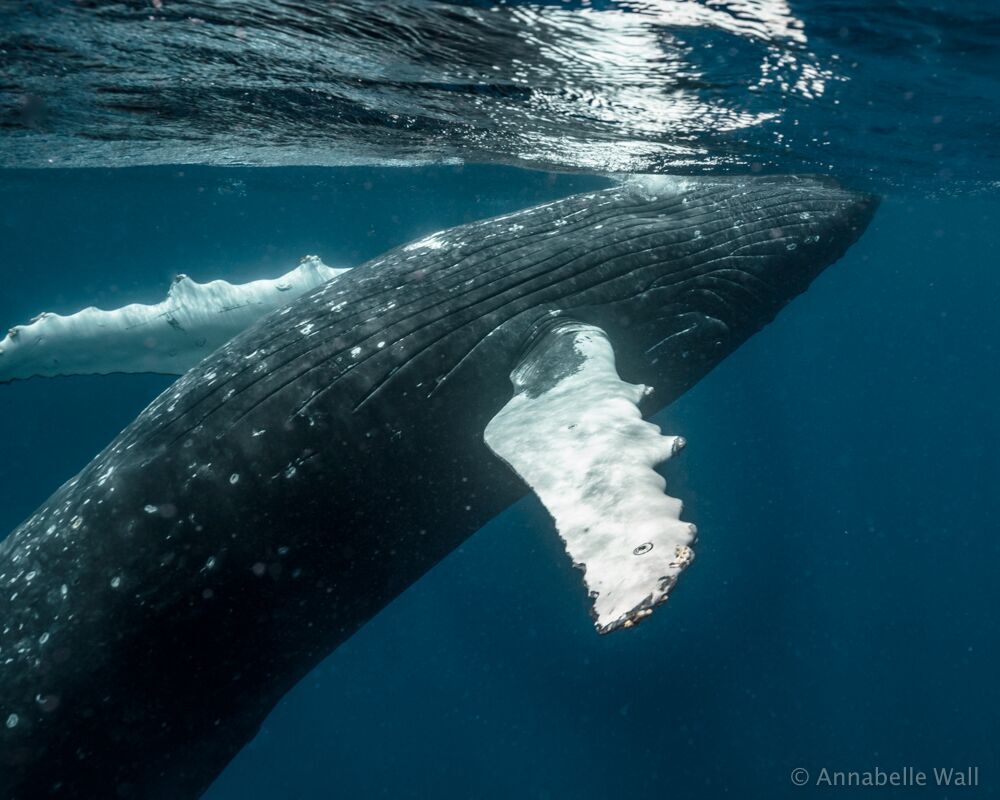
[573, 432]
[169, 337]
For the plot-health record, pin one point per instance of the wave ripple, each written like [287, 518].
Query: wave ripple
[637, 86]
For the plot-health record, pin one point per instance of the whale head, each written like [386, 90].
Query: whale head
[696, 266]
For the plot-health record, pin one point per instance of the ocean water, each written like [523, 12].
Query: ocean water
[842, 466]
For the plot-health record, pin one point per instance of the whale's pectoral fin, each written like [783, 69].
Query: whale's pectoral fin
[573, 432]
[169, 337]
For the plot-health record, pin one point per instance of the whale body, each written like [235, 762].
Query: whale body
[287, 488]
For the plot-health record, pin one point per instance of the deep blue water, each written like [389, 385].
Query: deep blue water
[842, 469]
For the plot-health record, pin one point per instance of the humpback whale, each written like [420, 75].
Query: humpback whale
[286, 488]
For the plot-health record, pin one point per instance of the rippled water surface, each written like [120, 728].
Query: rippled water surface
[893, 92]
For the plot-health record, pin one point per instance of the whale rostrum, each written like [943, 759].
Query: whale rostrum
[290, 485]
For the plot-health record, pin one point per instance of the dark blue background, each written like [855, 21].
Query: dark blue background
[842, 469]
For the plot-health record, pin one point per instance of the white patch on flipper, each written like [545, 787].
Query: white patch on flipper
[574, 433]
[169, 337]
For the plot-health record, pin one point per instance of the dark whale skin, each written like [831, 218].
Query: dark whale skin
[282, 492]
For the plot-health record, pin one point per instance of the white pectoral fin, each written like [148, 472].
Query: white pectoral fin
[169, 337]
[574, 433]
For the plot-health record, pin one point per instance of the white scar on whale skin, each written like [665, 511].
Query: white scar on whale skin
[169, 337]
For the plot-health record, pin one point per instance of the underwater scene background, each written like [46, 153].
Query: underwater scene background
[841, 467]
